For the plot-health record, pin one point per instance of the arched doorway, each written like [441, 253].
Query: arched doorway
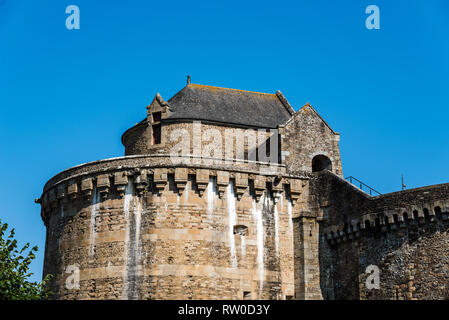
[320, 163]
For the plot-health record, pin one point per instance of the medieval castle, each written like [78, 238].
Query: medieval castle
[231, 194]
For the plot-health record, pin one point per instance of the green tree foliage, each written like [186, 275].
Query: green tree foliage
[14, 270]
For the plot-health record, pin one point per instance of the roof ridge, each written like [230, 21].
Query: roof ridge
[285, 103]
[215, 87]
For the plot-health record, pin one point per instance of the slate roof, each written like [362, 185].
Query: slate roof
[231, 106]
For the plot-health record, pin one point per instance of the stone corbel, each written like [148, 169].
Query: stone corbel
[331, 233]
[72, 190]
[120, 182]
[103, 185]
[260, 186]
[354, 228]
[222, 182]
[371, 218]
[278, 188]
[241, 184]
[86, 187]
[295, 189]
[444, 206]
[383, 226]
[181, 177]
[141, 182]
[202, 180]
[160, 178]
[390, 216]
[420, 210]
[342, 233]
[431, 212]
[61, 193]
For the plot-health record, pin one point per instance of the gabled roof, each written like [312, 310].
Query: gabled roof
[230, 106]
[308, 106]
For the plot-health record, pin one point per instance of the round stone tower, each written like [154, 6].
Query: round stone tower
[230, 194]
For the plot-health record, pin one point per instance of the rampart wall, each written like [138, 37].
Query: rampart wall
[405, 234]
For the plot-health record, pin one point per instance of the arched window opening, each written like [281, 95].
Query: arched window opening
[320, 163]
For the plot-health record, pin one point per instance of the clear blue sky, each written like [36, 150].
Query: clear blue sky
[66, 96]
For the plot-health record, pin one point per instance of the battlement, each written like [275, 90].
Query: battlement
[403, 234]
[151, 174]
[388, 221]
[394, 211]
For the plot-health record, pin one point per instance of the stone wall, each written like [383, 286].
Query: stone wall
[405, 234]
[201, 139]
[137, 140]
[295, 143]
[305, 136]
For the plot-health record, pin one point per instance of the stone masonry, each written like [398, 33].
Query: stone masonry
[231, 194]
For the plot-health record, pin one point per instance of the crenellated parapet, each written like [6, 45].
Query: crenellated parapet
[402, 235]
[393, 212]
[150, 174]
